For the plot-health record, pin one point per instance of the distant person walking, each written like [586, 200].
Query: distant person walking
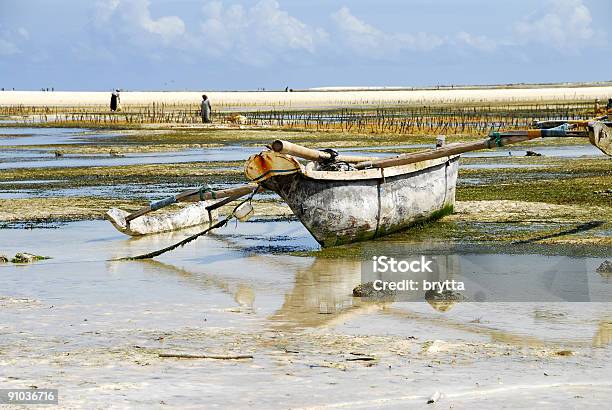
[115, 103]
[205, 110]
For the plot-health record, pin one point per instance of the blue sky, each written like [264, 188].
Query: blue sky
[235, 44]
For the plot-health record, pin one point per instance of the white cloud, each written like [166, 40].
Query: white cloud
[7, 48]
[106, 8]
[368, 40]
[482, 43]
[168, 27]
[8, 41]
[23, 33]
[566, 25]
[257, 34]
[135, 14]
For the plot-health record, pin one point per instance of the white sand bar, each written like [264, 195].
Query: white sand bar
[310, 98]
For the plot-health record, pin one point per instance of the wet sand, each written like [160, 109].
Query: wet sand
[95, 329]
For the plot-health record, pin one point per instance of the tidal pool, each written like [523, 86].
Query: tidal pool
[45, 136]
[47, 159]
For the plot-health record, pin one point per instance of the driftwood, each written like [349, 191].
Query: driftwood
[206, 356]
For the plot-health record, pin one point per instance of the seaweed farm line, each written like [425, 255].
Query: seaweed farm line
[444, 118]
[422, 120]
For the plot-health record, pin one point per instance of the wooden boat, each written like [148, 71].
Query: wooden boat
[377, 197]
[340, 207]
[344, 198]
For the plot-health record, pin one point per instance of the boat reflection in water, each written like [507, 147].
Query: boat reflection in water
[603, 336]
[292, 293]
[323, 295]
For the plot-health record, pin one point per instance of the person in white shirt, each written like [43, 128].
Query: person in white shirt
[206, 110]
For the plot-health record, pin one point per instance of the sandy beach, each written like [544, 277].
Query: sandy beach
[311, 98]
[101, 330]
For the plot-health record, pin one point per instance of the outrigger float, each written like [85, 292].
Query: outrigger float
[343, 199]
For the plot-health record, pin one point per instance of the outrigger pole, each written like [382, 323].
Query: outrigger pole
[496, 139]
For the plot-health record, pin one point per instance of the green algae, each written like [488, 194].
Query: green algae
[584, 183]
[24, 257]
[190, 173]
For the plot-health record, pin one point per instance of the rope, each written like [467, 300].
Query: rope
[184, 242]
[498, 140]
[206, 189]
[495, 137]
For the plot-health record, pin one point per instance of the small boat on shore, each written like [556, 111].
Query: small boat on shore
[342, 199]
[339, 207]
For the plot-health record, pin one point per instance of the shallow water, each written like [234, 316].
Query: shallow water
[498, 166]
[31, 181]
[561, 151]
[39, 158]
[36, 189]
[295, 291]
[47, 136]
[47, 159]
[93, 327]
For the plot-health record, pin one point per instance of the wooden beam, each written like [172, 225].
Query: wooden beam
[286, 147]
